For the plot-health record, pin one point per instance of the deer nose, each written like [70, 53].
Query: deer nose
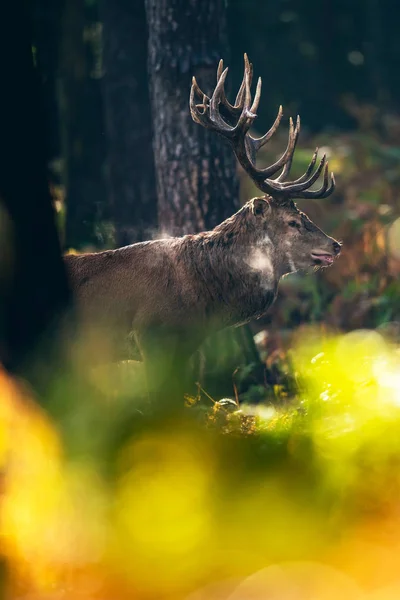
[336, 247]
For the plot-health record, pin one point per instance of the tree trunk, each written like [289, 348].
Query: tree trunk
[197, 183]
[196, 173]
[46, 21]
[83, 129]
[33, 284]
[130, 172]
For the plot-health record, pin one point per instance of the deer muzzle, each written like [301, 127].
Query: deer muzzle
[324, 257]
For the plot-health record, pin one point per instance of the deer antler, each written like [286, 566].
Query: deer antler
[246, 147]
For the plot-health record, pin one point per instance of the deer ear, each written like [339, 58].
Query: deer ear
[259, 207]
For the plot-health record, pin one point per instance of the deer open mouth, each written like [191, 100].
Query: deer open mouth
[321, 258]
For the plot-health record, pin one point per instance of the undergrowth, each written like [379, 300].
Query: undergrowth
[107, 498]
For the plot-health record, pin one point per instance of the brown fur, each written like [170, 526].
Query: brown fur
[173, 292]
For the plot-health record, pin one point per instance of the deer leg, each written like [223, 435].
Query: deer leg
[166, 361]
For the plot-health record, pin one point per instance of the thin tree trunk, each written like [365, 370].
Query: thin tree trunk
[197, 183]
[47, 20]
[83, 128]
[33, 288]
[131, 174]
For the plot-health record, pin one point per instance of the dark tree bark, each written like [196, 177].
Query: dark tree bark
[197, 183]
[130, 169]
[47, 21]
[33, 289]
[82, 126]
[196, 170]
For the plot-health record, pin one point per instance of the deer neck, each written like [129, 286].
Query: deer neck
[240, 278]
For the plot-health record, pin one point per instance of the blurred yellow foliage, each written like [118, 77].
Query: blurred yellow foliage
[304, 506]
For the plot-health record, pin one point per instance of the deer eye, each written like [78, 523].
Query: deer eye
[294, 224]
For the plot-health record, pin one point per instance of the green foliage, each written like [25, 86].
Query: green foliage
[109, 489]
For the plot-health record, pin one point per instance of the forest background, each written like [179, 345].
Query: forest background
[286, 461]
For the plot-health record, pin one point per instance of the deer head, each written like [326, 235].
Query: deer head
[293, 239]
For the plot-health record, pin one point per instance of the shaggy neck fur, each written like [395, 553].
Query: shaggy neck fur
[244, 278]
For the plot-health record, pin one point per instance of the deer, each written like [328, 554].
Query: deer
[171, 294]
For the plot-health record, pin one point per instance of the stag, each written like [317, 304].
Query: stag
[172, 293]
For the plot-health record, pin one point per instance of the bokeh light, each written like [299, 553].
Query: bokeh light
[299, 501]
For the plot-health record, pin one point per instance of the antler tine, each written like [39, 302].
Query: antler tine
[216, 99]
[300, 186]
[308, 171]
[240, 94]
[210, 116]
[248, 68]
[246, 147]
[236, 108]
[220, 68]
[202, 118]
[331, 188]
[263, 174]
[306, 176]
[197, 89]
[246, 116]
[328, 192]
[299, 190]
[286, 169]
[257, 97]
[320, 192]
[194, 111]
[223, 99]
[261, 141]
